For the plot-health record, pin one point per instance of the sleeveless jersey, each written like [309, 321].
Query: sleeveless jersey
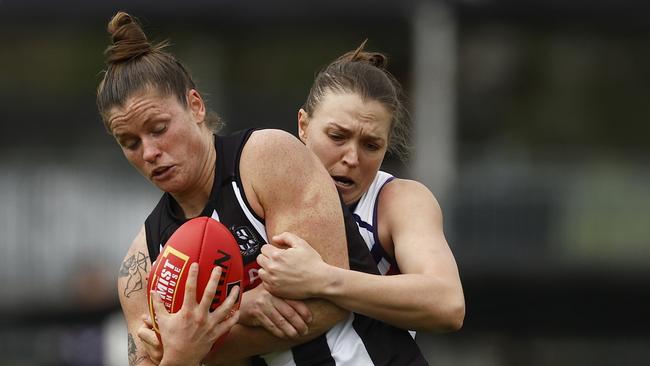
[365, 214]
[359, 340]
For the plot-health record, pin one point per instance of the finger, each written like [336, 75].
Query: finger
[260, 314]
[269, 250]
[221, 328]
[146, 319]
[283, 325]
[268, 324]
[226, 308]
[301, 308]
[190, 286]
[155, 354]
[291, 323]
[288, 239]
[151, 344]
[232, 320]
[158, 306]
[210, 289]
[262, 274]
[267, 281]
[262, 259]
[148, 336]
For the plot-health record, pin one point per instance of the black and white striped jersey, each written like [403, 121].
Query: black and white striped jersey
[358, 340]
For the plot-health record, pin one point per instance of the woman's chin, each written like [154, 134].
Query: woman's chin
[349, 197]
[169, 187]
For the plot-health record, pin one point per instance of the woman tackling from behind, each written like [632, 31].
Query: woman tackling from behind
[352, 116]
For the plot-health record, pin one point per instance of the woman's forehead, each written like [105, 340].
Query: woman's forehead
[348, 110]
[140, 107]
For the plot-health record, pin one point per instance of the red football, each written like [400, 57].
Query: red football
[207, 242]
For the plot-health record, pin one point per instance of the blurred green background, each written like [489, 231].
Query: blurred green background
[530, 124]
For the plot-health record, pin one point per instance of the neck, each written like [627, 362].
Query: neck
[193, 201]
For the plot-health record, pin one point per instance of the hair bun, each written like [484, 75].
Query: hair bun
[359, 55]
[128, 38]
[373, 58]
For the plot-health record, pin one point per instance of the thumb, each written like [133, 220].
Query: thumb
[146, 319]
[158, 309]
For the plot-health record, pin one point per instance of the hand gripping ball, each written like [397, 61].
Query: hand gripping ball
[207, 242]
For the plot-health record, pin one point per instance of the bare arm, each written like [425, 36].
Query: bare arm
[132, 289]
[289, 188]
[427, 296]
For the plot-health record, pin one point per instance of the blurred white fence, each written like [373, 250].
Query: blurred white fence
[61, 225]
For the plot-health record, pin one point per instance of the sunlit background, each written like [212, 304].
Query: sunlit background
[530, 123]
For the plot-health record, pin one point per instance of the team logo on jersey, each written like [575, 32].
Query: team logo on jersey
[247, 240]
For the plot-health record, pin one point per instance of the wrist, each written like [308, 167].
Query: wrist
[332, 282]
[246, 316]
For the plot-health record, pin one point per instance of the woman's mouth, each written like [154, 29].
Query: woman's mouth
[343, 182]
[161, 173]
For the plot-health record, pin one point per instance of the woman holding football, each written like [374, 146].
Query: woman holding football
[152, 108]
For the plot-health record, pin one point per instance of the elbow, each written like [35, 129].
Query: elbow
[448, 319]
[456, 317]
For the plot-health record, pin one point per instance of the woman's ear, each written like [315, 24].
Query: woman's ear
[196, 105]
[303, 123]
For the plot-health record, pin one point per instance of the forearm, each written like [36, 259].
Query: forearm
[409, 301]
[243, 341]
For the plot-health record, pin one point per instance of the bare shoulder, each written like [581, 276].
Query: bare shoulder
[274, 158]
[272, 142]
[270, 134]
[405, 206]
[407, 194]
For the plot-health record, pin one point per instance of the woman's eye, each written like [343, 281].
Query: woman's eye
[130, 144]
[336, 136]
[160, 129]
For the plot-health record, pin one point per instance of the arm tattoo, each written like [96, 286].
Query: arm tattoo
[135, 268]
[133, 357]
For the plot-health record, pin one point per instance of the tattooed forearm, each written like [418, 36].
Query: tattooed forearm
[135, 268]
[134, 359]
